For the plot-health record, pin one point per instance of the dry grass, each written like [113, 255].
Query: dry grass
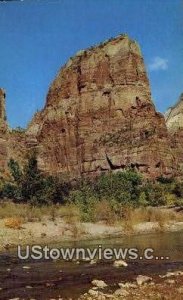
[158, 215]
[32, 214]
[102, 211]
[15, 215]
[71, 215]
[70, 212]
[14, 223]
[25, 211]
[11, 210]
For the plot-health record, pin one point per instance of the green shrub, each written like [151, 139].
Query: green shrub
[155, 194]
[171, 199]
[113, 191]
[10, 191]
[178, 189]
[165, 180]
[15, 170]
[143, 199]
[106, 193]
[30, 185]
[121, 186]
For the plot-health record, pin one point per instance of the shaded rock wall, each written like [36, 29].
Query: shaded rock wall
[12, 142]
[174, 122]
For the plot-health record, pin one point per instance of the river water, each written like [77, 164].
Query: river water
[48, 279]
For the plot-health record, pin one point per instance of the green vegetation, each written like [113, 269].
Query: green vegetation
[113, 194]
[18, 130]
[109, 197]
[31, 186]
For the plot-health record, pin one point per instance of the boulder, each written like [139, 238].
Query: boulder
[99, 283]
[141, 279]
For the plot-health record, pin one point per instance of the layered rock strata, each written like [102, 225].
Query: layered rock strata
[12, 142]
[174, 122]
[99, 116]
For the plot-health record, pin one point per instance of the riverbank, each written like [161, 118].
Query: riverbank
[159, 287]
[63, 280]
[99, 279]
[48, 232]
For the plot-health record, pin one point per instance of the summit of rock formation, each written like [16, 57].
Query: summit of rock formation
[99, 116]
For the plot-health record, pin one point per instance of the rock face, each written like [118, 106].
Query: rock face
[3, 133]
[12, 142]
[2, 109]
[99, 116]
[174, 122]
[174, 116]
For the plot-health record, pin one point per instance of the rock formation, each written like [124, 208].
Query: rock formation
[174, 122]
[99, 116]
[12, 142]
[174, 116]
[3, 133]
[2, 109]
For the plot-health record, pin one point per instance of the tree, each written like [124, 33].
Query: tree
[15, 170]
[32, 186]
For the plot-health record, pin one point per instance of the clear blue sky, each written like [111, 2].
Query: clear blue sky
[38, 36]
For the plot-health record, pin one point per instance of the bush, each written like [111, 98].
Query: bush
[163, 192]
[165, 180]
[30, 185]
[121, 186]
[15, 170]
[112, 191]
[103, 211]
[171, 199]
[155, 194]
[10, 191]
[102, 199]
[178, 189]
[143, 201]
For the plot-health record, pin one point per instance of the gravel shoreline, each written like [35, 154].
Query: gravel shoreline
[58, 231]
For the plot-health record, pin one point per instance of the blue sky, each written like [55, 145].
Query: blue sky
[38, 36]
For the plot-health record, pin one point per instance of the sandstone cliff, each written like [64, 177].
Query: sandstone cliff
[3, 133]
[174, 116]
[99, 116]
[174, 122]
[12, 142]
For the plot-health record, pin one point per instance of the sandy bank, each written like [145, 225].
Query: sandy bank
[59, 230]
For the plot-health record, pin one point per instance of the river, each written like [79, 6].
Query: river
[48, 279]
